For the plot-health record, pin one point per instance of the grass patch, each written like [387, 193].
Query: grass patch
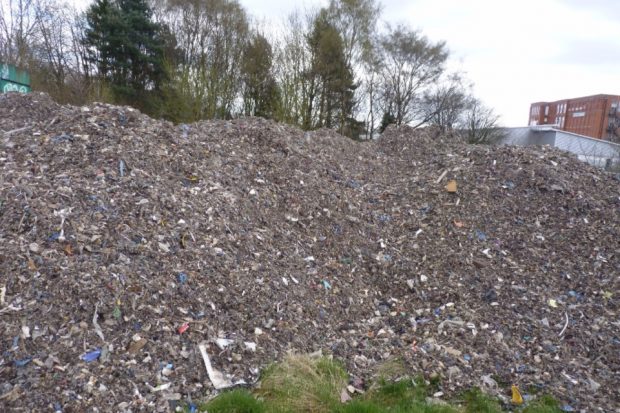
[236, 401]
[305, 384]
[545, 404]
[302, 384]
[478, 402]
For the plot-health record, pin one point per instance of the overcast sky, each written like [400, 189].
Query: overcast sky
[515, 52]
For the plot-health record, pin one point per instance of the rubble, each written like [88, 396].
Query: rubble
[133, 251]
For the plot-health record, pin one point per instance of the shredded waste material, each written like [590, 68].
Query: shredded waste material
[133, 253]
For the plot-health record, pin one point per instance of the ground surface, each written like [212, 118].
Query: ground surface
[131, 241]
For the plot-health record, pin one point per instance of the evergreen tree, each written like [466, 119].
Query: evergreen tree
[127, 48]
[260, 90]
[331, 77]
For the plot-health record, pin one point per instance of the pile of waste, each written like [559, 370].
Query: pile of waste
[146, 265]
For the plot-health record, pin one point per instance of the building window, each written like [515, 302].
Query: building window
[579, 114]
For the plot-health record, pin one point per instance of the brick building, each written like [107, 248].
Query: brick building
[596, 116]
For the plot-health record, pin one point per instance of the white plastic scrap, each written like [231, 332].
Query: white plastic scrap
[96, 325]
[161, 387]
[216, 377]
[222, 343]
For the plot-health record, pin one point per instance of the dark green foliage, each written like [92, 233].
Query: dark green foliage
[127, 48]
[387, 120]
[331, 79]
[260, 90]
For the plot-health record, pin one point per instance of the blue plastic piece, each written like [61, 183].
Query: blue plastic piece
[91, 356]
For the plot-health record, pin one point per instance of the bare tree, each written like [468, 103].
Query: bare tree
[480, 124]
[446, 102]
[18, 29]
[411, 63]
[211, 36]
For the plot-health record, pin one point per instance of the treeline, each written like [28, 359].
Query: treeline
[337, 67]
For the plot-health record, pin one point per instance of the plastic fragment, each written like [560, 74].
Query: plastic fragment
[327, 285]
[183, 328]
[182, 278]
[91, 356]
[161, 387]
[516, 396]
[222, 343]
[23, 362]
[216, 377]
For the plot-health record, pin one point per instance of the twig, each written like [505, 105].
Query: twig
[441, 176]
[11, 132]
[565, 325]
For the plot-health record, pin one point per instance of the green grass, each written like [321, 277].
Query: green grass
[478, 402]
[305, 384]
[545, 404]
[236, 401]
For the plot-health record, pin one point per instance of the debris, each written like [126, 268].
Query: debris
[136, 345]
[23, 362]
[216, 377]
[565, 325]
[451, 186]
[516, 396]
[96, 325]
[183, 328]
[369, 218]
[161, 387]
[182, 278]
[91, 356]
[553, 303]
[222, 343]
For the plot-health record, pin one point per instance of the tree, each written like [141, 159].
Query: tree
[211, 36]
[260, 91]
[445, 103]
[331, 79]
[411, 63]
[126, 47]
[355, 21]
[480, 124]
[18, 30]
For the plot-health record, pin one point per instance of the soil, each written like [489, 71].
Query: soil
[126, 242]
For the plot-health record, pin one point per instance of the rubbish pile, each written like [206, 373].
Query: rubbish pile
[144, 265]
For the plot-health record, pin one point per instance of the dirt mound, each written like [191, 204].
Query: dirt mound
[126, 242]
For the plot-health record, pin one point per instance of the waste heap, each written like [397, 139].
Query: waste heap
[133, 252]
